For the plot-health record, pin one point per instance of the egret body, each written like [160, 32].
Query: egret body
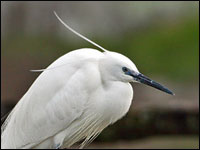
[73, 99]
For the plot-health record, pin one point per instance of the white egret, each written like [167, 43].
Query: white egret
[74, 99]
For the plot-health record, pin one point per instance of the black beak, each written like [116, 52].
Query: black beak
[143, 79]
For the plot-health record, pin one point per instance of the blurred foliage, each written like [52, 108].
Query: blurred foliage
[167, 48]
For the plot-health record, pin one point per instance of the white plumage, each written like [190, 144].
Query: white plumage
[73, 99]
[68, 103]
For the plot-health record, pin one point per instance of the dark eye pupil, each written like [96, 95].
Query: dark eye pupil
[124, 69]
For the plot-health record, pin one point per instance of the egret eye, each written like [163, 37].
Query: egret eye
[124, 69]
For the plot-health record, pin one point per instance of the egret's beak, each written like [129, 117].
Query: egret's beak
[143, 79]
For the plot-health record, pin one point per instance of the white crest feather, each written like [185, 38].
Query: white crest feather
[75, 32]
[83, 37]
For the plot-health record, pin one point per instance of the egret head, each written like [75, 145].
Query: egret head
[115, 66]
[120, 68]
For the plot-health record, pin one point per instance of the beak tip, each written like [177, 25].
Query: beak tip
[171, 93]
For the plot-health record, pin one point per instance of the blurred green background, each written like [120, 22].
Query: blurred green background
[161, 38]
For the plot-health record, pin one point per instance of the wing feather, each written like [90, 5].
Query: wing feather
[53, 102]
